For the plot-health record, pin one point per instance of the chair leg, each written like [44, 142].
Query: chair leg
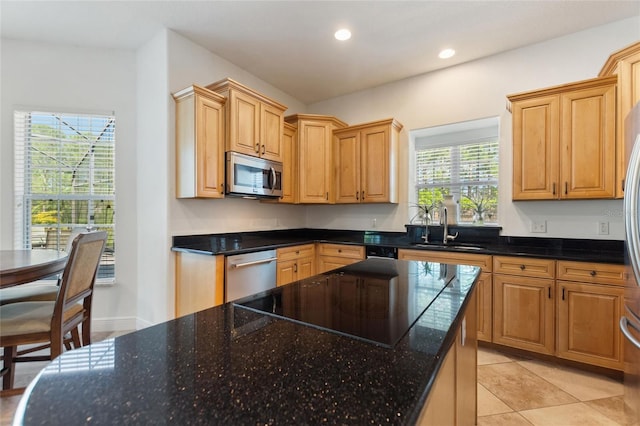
[8, 367]
[86, 332]
[75, 338]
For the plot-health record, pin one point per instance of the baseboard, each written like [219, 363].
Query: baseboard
[114, 324]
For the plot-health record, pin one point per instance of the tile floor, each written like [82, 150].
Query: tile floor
[517, 391]
[512, 391]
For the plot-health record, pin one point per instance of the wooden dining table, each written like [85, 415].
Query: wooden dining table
[23, 266]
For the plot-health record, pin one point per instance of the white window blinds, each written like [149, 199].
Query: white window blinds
[460, 160]
[64, 179]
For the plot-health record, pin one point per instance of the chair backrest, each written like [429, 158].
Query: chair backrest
[79, 274]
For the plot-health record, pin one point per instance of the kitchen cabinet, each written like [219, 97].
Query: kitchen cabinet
[564, 143]
[314, 156]
[289, 165]
[295, 263]
[453, 396]
[254, 122]
[523, 304]
[199, 282]
[199, 143]
[333, 256]
[484, 286]
[625, 63]
[366, 162]
[590, 304]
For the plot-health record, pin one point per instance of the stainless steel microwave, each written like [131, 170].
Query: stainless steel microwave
[253, 177]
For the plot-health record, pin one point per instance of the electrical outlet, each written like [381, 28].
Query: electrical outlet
[603, 228]
[374, 223]
[539, 226]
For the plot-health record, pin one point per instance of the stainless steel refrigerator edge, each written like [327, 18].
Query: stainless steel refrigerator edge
[630, 322]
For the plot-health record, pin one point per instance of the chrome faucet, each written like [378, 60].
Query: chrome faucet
[445, 233]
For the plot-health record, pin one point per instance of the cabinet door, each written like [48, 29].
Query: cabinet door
[289, 153]
[314, 170]
[306, 267]
[536, 133]
[209, 149]
[588, 318]
[588, 163]
[271, 128]
[347, 164]
[467, 365]
[199, 282]
[374, 165]
[523, 313]
[286, 272]
[244, 124]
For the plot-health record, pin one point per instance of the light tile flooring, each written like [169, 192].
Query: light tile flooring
[512, 391]
[517, 391]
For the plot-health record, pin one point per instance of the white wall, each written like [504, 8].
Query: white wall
[66, 78]
[475, 90]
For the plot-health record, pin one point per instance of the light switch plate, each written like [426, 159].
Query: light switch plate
[603, 228]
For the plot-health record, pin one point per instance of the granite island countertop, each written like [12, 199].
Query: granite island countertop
[361, 344]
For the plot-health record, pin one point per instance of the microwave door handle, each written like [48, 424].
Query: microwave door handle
[274, 179]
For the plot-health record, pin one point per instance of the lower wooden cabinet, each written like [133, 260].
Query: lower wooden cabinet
[295, 263]
[453, 396]
[199, 282]
[523, 311]
[589, 310]
[334, 256]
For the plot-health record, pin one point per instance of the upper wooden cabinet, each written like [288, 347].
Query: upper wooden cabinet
[254, 122]
[199, 143]
[564, 143]
[366, 162]
[624, 63]
[289, 165]
[314, 156]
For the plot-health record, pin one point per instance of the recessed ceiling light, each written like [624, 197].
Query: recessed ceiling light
[343, 34]
[446, 53]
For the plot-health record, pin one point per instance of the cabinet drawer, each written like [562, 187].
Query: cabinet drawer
[341, 250]
[295, 252]
[524, 266]
[481, 260]
[601, 273]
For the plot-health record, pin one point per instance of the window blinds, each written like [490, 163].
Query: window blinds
[64, 178]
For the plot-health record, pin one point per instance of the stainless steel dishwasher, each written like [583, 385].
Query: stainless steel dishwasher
[249, 273]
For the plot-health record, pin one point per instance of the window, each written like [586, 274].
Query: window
[64, 180]
[461, 160]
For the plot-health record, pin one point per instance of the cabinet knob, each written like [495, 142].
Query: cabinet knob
[522, 267]
[258, 147]
[592, 273]
[339, 250]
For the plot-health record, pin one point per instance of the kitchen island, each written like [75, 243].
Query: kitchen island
[363, 344]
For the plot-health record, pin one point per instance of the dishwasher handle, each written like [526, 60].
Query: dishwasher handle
[255, 262]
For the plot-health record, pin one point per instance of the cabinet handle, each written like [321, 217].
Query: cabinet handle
[562, 293]
[357, 195]
[257, 147]
[263, 150]
[522, 267]
[549, 288]
[592, 273]
[623, 185]
[566, 188]
[554, 188]
[363, 195]
[295, 267]
[327, 195]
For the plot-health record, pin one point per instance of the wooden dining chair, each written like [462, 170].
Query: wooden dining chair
[26, 323]
[38, 291]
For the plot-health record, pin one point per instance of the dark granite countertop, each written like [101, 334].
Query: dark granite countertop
[485, 239]
[235, 365]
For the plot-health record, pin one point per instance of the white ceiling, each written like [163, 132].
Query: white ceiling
[290, 44]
